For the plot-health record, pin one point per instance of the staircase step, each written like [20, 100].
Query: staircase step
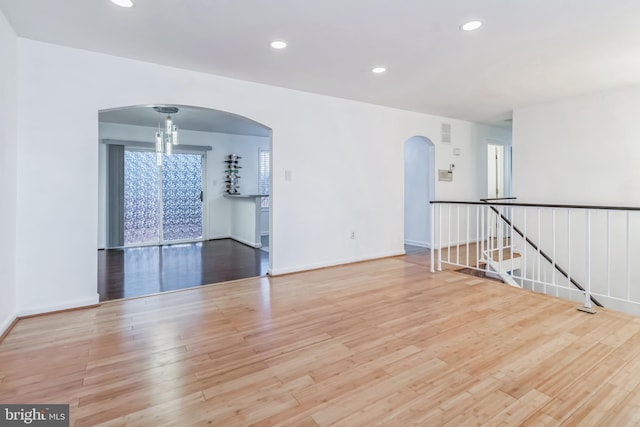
[506, 254]
[502, 269]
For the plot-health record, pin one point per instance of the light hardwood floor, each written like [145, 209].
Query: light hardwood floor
[377, 343]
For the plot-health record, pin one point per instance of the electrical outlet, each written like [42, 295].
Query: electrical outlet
[353, 235]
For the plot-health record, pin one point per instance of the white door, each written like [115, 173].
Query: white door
[495, 171]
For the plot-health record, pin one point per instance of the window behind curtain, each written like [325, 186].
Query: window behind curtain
[265, 175]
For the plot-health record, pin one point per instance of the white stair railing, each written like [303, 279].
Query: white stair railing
[583, 253]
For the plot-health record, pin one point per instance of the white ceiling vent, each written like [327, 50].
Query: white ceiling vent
[446, 133]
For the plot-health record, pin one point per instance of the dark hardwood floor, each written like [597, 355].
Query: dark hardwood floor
[132, 272]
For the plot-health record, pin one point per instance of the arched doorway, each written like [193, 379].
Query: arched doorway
[167, 219]
[419, 190]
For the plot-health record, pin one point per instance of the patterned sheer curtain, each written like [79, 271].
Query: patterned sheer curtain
[141, 197]
[181, 196]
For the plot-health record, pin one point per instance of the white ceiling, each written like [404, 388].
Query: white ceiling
[528, 51]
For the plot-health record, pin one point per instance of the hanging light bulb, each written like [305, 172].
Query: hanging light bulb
[165, 139]
[174, 135]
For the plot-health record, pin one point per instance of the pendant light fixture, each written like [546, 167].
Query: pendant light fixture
[168, 137]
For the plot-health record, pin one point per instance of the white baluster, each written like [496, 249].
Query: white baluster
[539, 246]
[458, 235]
[587, 239]
[482, 231]
[569, 245]
[525, 245]
[628, 257]
[553, 256]
[440, 237]
[468, 263]
[607, 251]
[500, 241]
[432, 209]
[449, 235]
[477, 236]
[511, 238]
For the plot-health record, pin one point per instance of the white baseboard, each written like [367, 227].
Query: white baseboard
[6, 323]
[219, 236]
[279, 271]
[248, 243]
[41, 309]
[417, 243]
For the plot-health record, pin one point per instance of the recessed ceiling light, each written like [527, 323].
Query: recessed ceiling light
[123, 3]
[278, 44]
[471, 25]
[378, 70]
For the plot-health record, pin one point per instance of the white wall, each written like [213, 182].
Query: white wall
[245, 214]
[468, 174]
[8, 172]
[343, 157]
[419, 185]
[216, 208]
[264, 221]
[579, 150]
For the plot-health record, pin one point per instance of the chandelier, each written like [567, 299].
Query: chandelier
[168, 137]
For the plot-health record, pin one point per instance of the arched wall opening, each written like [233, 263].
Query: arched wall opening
[180, 208]
[419, 190]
